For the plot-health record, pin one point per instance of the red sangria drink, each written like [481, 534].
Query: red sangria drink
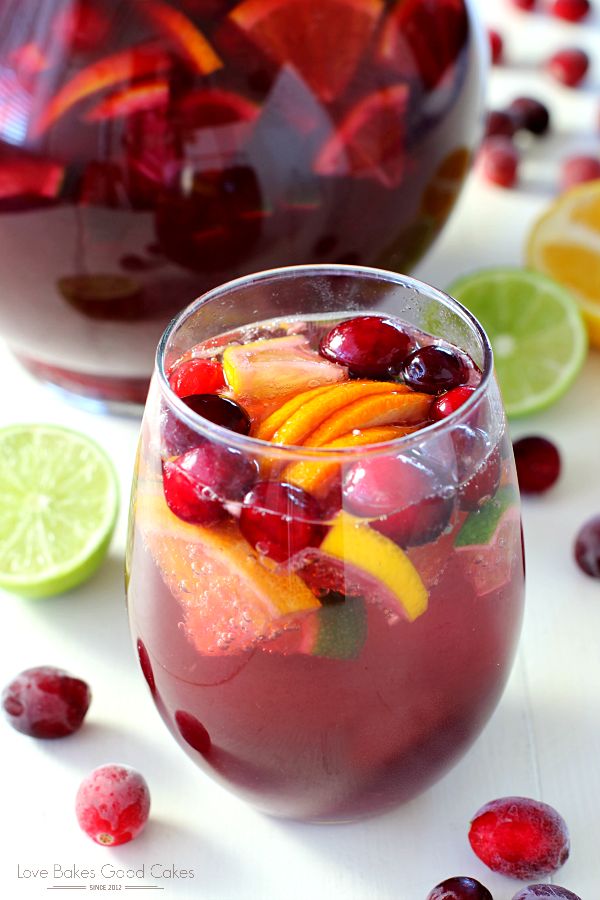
[152, 149]
[325, 569]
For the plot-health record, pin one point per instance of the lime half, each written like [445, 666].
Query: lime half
[59, 502]
[536, 331]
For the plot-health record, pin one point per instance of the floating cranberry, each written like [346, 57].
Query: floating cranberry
[400, 496]
[193, 732]
[371, 346]
[496, 46]
[483, 484]
[45, 702]
[538, 464]
[281, 519]
[578, 169]
[460, 888]
[571, 10]
[499, 161]
[569, 66]
[434, 369]
[197, 376]
[197, 483]
[220, 410]
[451, 401]
[112, 804]
[587, 548]
[530, 115]
[547, 891]
[146, 665]
[520, 837]
[499, 122]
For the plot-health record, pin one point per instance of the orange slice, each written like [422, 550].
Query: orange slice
[265, 374]
[229, 597]
[317, 477]
[306, 35]
[129, 100]
[185, 35]
[311, 414]
[381, 409]
[351, 539]
[269, 426]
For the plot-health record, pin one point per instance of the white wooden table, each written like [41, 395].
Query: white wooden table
[543, 741]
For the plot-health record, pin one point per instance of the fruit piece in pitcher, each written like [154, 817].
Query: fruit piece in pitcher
[370, 346]
[263, 374]
[351, 539]
[185, 36]
[307, 37]
[201, 566]
[401, 495]
[370, 141]
[280, 519]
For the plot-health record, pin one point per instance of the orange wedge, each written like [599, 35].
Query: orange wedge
[318, 477]
[380, 409]
[309, 416]
[269, 426]
[184, 35]
[353, 539]
[229, 597]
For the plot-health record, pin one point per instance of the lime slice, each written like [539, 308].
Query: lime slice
[59, 506]
[536, 331]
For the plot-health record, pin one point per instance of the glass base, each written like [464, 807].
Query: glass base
[95, 393]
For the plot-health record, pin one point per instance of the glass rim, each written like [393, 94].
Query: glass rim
[294, 452]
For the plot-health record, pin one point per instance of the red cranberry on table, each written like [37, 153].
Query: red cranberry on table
[545, 892]
[569, 66]
[520, 837]
[530, 115]
[370, 346]
[197, 483]
[496, 46]
[400, 496]
[578, 169]
[538, 464]
[112, 804]
[460, 888]
[434, 369]
[280, 519]
[499, 122]
[587, 548]
[571, 10]
[46, 702]
[498, 161]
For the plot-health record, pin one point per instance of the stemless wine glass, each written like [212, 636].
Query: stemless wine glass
[346, 675]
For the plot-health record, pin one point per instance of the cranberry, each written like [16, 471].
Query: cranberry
[197, 483]
[112, 804]
[371, 346]
[401, 496]
[281, 519]
[434, 369]
[549, 891]
[530, 115]
[496, 46]
[460, 888]
[571, 10]
[197, 376]
[481, 486]
[220, 410]
[82, 26]
[499, 161]
[577, 169]
[569, 66]
[193, 732]
[526, 5]
[451, 401]
[45, 702]
[499, 122]
[538, 464]
[587, 548]
[520, 837]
